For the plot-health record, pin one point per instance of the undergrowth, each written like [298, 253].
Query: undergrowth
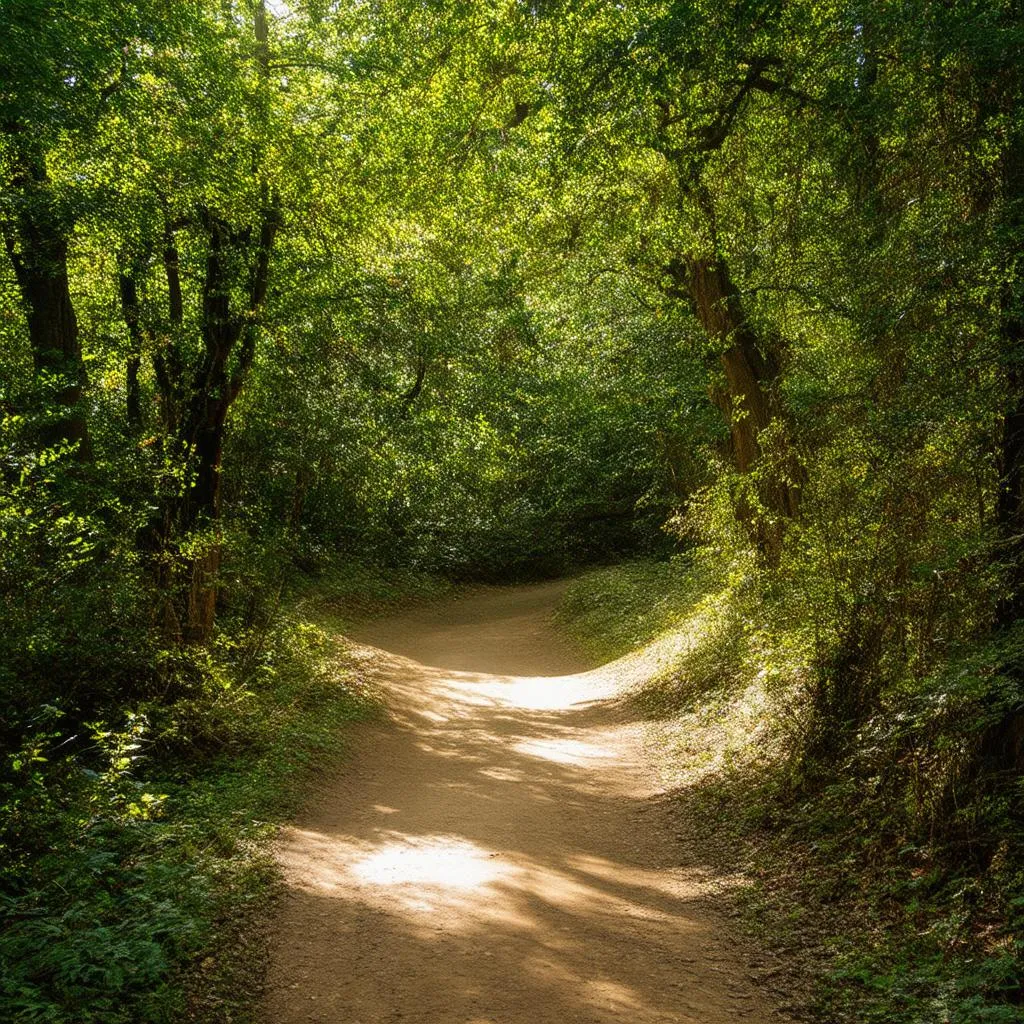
[881, 918]
[615, 609]
[141, 859]
[353, 589]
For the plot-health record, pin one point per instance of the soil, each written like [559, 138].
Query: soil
[498, 851]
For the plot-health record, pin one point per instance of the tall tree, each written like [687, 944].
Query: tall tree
[232, 229]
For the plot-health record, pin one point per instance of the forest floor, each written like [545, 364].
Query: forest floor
[498, 848]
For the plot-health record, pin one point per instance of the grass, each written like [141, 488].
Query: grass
[869, 926]
[616, 609]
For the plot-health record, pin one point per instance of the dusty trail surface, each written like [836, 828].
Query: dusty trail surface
[495, 853]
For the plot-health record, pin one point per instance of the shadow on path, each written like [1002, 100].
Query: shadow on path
[495, 852]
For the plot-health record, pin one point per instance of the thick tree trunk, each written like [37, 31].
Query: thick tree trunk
[748, 401]
[37, 243]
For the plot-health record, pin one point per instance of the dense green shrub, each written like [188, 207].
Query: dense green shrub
[918, 865]
[120, 878]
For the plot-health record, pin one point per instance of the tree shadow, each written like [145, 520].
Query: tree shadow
[494, 856]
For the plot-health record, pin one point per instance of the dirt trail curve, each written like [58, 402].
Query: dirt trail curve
[495, 853]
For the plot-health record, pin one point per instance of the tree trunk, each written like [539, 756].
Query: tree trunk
[1010, 499]
[194, 408]
[228, 336]
[748, 402]
[1001, 749]
[196, 398]
[202, 436]
[133, 321]
[167, 361]
[37, 243]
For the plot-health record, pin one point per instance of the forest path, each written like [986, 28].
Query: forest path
[496, 852]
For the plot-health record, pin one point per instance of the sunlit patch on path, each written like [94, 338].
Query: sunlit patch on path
[488, 855]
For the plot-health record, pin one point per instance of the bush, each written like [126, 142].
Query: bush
[122, 879]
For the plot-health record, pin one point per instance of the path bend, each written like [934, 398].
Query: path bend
[495, 853]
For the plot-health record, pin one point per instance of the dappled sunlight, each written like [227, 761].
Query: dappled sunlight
[415, 875]
[433, 716]
[565, 751]
[603, 992]
[430, 748]
[421, 875]
[592, 992]
[504, 774]
[488, 865]
[543, 693]
[428, 860]
[625, 876]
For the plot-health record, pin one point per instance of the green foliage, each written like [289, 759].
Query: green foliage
[618, 609]
[151, 863]
[922, 935]
[75, 636]
[383, 295]
[353, 590]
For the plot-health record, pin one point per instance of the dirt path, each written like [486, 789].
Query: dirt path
[496, 853]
